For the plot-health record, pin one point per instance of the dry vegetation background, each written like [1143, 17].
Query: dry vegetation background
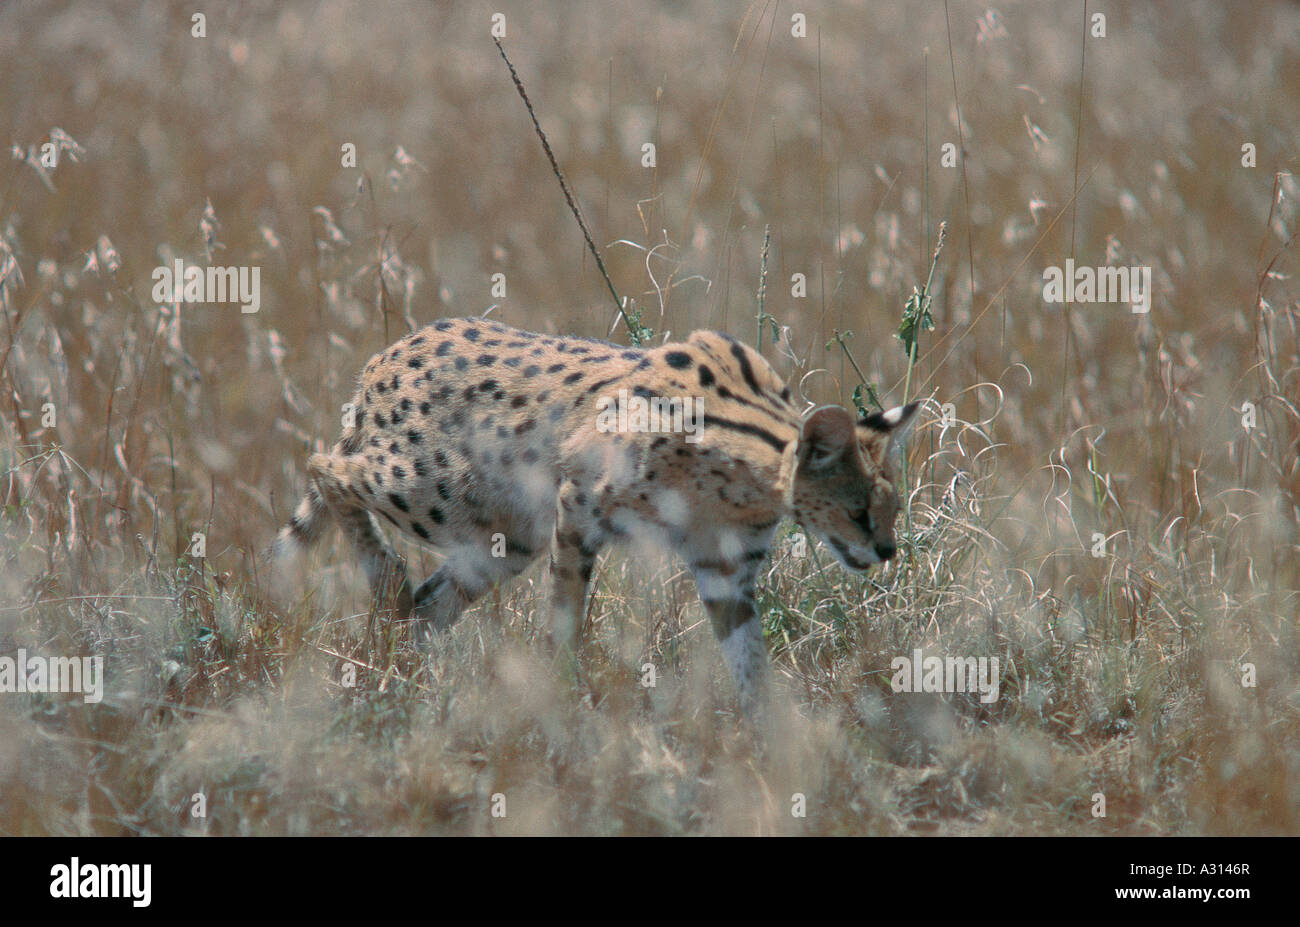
[1122, 673]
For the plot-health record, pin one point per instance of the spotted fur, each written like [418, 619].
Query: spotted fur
[485, 442]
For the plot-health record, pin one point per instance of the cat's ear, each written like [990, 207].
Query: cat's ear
[827, 434]
[892, 425]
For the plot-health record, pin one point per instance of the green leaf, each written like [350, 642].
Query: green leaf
[637, 333]
[859, 400]
[916, 318]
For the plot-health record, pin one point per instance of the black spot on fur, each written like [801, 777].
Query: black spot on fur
[678, 360]
[738, 352]
[398, 501]
[706, 376]
[414, 436]
[420, 530]
[573, 378]
[443, 349]
[532, 370]
[485, 360]
[746, 428]
[472, 334]
[518, 401]
[461, 363]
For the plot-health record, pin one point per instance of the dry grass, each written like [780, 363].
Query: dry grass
[1123, 672]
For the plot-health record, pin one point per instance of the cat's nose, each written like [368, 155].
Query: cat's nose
[885, 551]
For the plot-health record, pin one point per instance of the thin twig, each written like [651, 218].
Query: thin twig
[1074, 212]
[965, 187]
[564, 185]
[762, 282]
